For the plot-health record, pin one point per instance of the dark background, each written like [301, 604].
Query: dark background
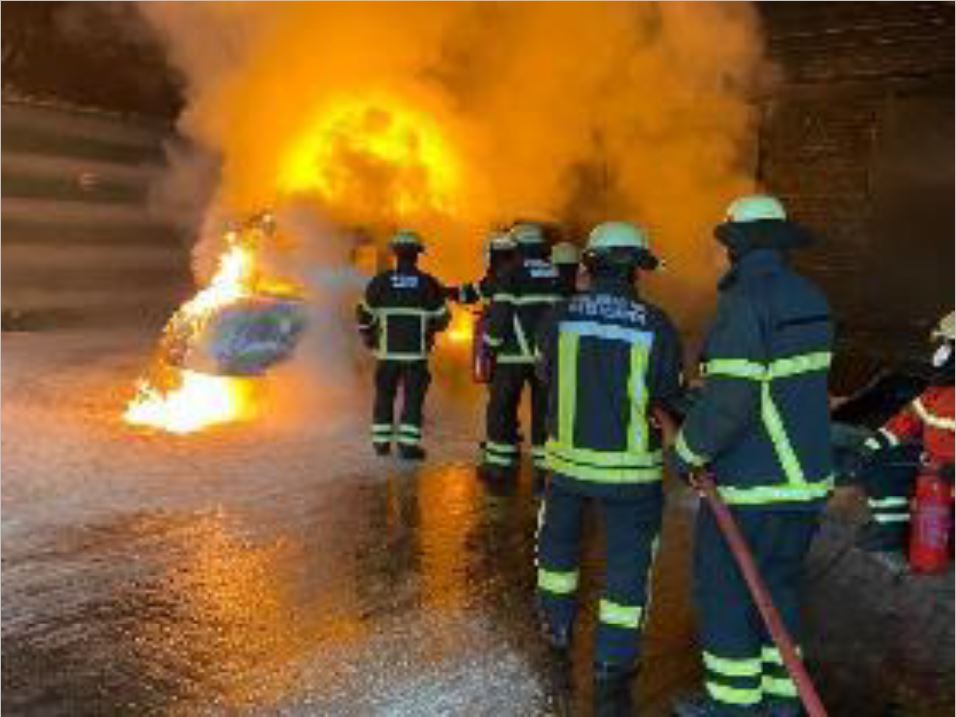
[856, 137]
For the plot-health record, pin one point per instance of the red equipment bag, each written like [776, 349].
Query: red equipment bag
[931, 523]
[482, 358]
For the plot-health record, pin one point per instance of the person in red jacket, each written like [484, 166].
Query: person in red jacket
[927, 420]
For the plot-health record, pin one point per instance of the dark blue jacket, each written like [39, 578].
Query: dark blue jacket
[762, 421]
[607, 358]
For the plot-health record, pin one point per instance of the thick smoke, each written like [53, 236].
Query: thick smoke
[574, 112]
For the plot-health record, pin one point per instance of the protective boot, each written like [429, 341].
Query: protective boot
[382, 449]
[411, 452]
[612, 690]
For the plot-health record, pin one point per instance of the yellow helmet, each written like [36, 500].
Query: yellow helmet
[407, 237]
[755, 207]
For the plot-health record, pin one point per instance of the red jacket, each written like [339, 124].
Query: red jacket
[929, 418]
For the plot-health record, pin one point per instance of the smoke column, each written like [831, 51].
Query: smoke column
[575, 112]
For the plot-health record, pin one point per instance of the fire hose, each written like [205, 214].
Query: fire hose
[704, 484]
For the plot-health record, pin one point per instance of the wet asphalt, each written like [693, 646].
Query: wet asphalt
[279, 567]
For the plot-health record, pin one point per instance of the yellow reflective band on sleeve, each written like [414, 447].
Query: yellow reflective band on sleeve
[734, 368]
[766, 494]
[567, 386]
[778, 686]
[559, 582]
[771, 655]
[686, 454]
[626, 616]
[773, 422]
[778, 368]
[886, 518]
[742, 696]
[745, 667]
[796, 365]
[932, 420]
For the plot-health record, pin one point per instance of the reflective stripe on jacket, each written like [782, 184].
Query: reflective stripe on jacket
[606, 358]
[762, 421]
[520, 300]
[401, 311]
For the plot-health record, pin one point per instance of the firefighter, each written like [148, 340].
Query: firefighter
[521, 298]
[606, 356]
[761, 427]
[500, 256]
[402, 311]
[566, 260]
[928, 419]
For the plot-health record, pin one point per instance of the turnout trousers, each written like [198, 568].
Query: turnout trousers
[414, 378]
[743, 670]
[501, 420]
[888, 480]
[631, 528]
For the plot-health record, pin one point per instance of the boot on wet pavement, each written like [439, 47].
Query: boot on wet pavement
[382, 449]
[411, 453]
[612, 691]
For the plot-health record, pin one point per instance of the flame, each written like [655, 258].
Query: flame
[351, 138]
[200, 400]
[184, 401]
[461, 329]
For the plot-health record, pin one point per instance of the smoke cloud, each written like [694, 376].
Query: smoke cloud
[454, 117]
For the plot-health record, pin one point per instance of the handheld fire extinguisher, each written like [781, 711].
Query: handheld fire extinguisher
[482, 359]
[931, 521]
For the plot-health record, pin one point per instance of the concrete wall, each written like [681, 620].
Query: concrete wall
[79, 246]
[858, 138]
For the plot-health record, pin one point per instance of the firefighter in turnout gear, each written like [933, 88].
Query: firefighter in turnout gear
[606, 356]
[927, 420]
[501, 253]
[402, 311]
[566, 260]
[761, 427]
[521, 298]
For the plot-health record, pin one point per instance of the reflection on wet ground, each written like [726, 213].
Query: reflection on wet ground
[262, 571]
[408, 595]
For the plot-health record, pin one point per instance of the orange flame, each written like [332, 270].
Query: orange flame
[189, 401]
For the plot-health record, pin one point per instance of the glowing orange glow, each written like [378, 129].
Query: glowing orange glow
[184, 401]
[352, 139]
[200, 400]
[461, 329]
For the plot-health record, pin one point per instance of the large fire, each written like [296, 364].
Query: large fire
[183, 401]
[354, 143]
[349, 146]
